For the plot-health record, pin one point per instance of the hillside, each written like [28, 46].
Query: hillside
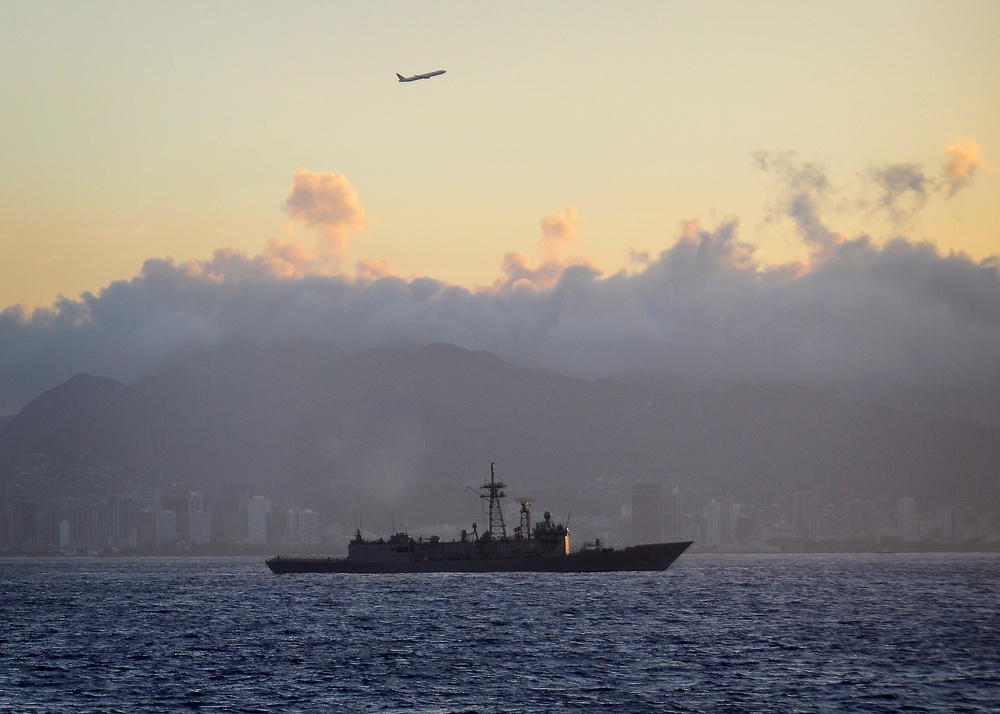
[410, 429]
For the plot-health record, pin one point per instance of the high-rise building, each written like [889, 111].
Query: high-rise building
[176, 500]
[65, 533]
[713, 523]
[948, 524]
[673, 514]
[233, 514]
[6, 526]
[166, 527]
[907, 522]
[301, 527]
[647, 513]
[729, 519]
[199, 519]
[258, 508]
[805, 508]
[145, 526]
[860, 521]
[120, 528]
[199, 527]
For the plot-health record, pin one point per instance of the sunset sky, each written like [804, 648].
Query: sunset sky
[202, 135]
[170, 129]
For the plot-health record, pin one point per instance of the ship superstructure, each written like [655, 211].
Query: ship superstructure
[545, 548]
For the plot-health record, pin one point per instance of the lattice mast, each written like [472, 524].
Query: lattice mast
[493, 491]
[525, 528]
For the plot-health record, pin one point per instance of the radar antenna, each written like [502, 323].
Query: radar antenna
[524, 530]
[493, 492]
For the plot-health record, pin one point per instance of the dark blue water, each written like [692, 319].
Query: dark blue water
[889, 633]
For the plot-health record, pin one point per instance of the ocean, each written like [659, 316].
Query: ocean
[714, 633]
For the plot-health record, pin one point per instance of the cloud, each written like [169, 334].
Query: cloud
[702, 310]
[962, 165]
[903, 189]
[327, 203]
[804, 191]
[559, 233]
[705, 308]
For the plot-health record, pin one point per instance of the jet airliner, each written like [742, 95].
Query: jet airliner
[414, 78]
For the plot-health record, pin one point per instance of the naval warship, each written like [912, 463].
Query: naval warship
[542, 548]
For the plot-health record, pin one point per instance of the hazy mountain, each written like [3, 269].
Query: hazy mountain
[408, 430]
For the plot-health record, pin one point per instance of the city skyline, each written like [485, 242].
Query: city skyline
[173, 518]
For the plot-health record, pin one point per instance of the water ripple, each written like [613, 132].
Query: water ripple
[714, 633]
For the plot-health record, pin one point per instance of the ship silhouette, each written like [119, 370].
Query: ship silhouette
[542, 548]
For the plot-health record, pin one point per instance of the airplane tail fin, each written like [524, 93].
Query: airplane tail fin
[401, 77]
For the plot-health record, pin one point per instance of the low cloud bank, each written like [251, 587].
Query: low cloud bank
[703, 309]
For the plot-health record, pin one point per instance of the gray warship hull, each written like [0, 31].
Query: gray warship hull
[542, 548]
[655, 556]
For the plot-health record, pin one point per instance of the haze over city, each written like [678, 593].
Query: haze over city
[781, 192]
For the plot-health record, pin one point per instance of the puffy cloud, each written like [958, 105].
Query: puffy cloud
[559, 232]
[905, 188]
[373, 269]
[703, 309]
[327, 203]
[962, 165]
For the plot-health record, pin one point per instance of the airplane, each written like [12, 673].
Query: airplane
[415, 77]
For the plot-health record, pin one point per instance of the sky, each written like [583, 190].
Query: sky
[782, 191]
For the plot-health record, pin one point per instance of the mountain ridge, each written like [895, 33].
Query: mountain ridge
[395, 428]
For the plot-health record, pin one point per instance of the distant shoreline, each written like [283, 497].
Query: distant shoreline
[267, 551]
[833, 549]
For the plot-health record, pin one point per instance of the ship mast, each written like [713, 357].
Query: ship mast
[493, 491]
[525, 528]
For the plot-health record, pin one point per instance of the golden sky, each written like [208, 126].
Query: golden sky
[722, 192]
[131, 131]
